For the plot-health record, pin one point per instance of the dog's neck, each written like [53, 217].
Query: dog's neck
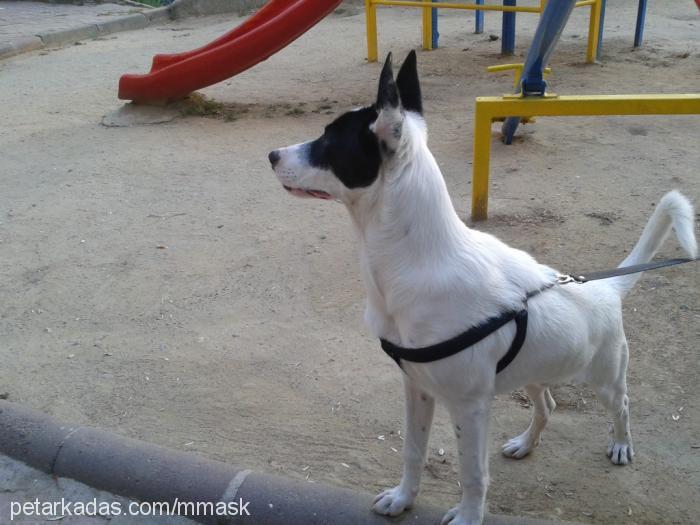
[406, 218]
[419, 260]
[409, 208]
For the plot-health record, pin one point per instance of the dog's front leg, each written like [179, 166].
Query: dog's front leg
[470, 418]
[419, 415]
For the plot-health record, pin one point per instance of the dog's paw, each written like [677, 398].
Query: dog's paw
[455, 517]
[392, 502]
[620, 453]
[519, 446]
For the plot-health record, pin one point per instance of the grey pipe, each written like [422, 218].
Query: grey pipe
[148, 472]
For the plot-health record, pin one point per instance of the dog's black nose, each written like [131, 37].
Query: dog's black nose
[274, 157]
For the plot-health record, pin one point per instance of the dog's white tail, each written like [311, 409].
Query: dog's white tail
[673, 210]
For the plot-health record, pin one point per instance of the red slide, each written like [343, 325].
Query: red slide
[273, 27]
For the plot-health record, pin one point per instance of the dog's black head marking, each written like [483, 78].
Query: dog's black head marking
[349, 148]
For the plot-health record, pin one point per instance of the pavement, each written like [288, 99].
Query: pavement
[28, 26]
[24, 19]
[23, 485]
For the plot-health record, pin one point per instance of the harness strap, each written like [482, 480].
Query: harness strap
[518, 340]
[464, 340]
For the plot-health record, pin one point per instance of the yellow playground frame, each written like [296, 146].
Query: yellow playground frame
[490, 109]
[427, 6]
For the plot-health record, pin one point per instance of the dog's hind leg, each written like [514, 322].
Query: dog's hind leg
[613, 395]
[522, 445]
[419, 416]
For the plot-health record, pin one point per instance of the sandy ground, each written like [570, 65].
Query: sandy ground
[156, 280]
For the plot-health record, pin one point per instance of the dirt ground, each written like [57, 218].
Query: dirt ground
[156, 280]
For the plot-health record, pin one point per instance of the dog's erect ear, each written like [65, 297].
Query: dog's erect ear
[409, 86]
[389, 124]
[388, 94]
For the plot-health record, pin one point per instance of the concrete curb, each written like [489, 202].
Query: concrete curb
[151, 473]
[184, 8]
[76, 34]
[177, 10]
[122, 23]
[20, 45]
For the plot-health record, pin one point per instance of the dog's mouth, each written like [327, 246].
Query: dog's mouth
[301, 192]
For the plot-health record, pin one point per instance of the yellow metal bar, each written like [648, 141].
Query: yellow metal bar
[473, 7]
[371, 17]
[447, 5]
[426, 6]
[480, 165]
[488, 109]
[427, 28]
[591, 105]
[507, 67]
[518, 68]
[593, 31]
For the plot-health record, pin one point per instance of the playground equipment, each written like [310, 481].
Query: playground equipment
[280, 22]
[531, 99]
[641, 15]
[639, 27]
[508, 32]
[531, 80]
[490, 109]
[272, 28]
[509, 9]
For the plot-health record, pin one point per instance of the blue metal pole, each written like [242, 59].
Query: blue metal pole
[549, 29]
[508, 129]
[508, 30]
[639, 30]
[479, 27]
[436, 33]
[602, 24]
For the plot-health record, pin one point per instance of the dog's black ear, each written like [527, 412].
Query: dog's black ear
[409, 86]
[388, 94]
[389, 124]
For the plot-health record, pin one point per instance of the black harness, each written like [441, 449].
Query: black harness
[428, 354]
[464, 340]
[453, 346]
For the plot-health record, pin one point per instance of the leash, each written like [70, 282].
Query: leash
[625, 270]
[428, 354]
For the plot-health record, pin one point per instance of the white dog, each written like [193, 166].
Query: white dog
[429, 277]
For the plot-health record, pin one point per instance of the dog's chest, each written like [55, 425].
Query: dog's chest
[413, 311]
